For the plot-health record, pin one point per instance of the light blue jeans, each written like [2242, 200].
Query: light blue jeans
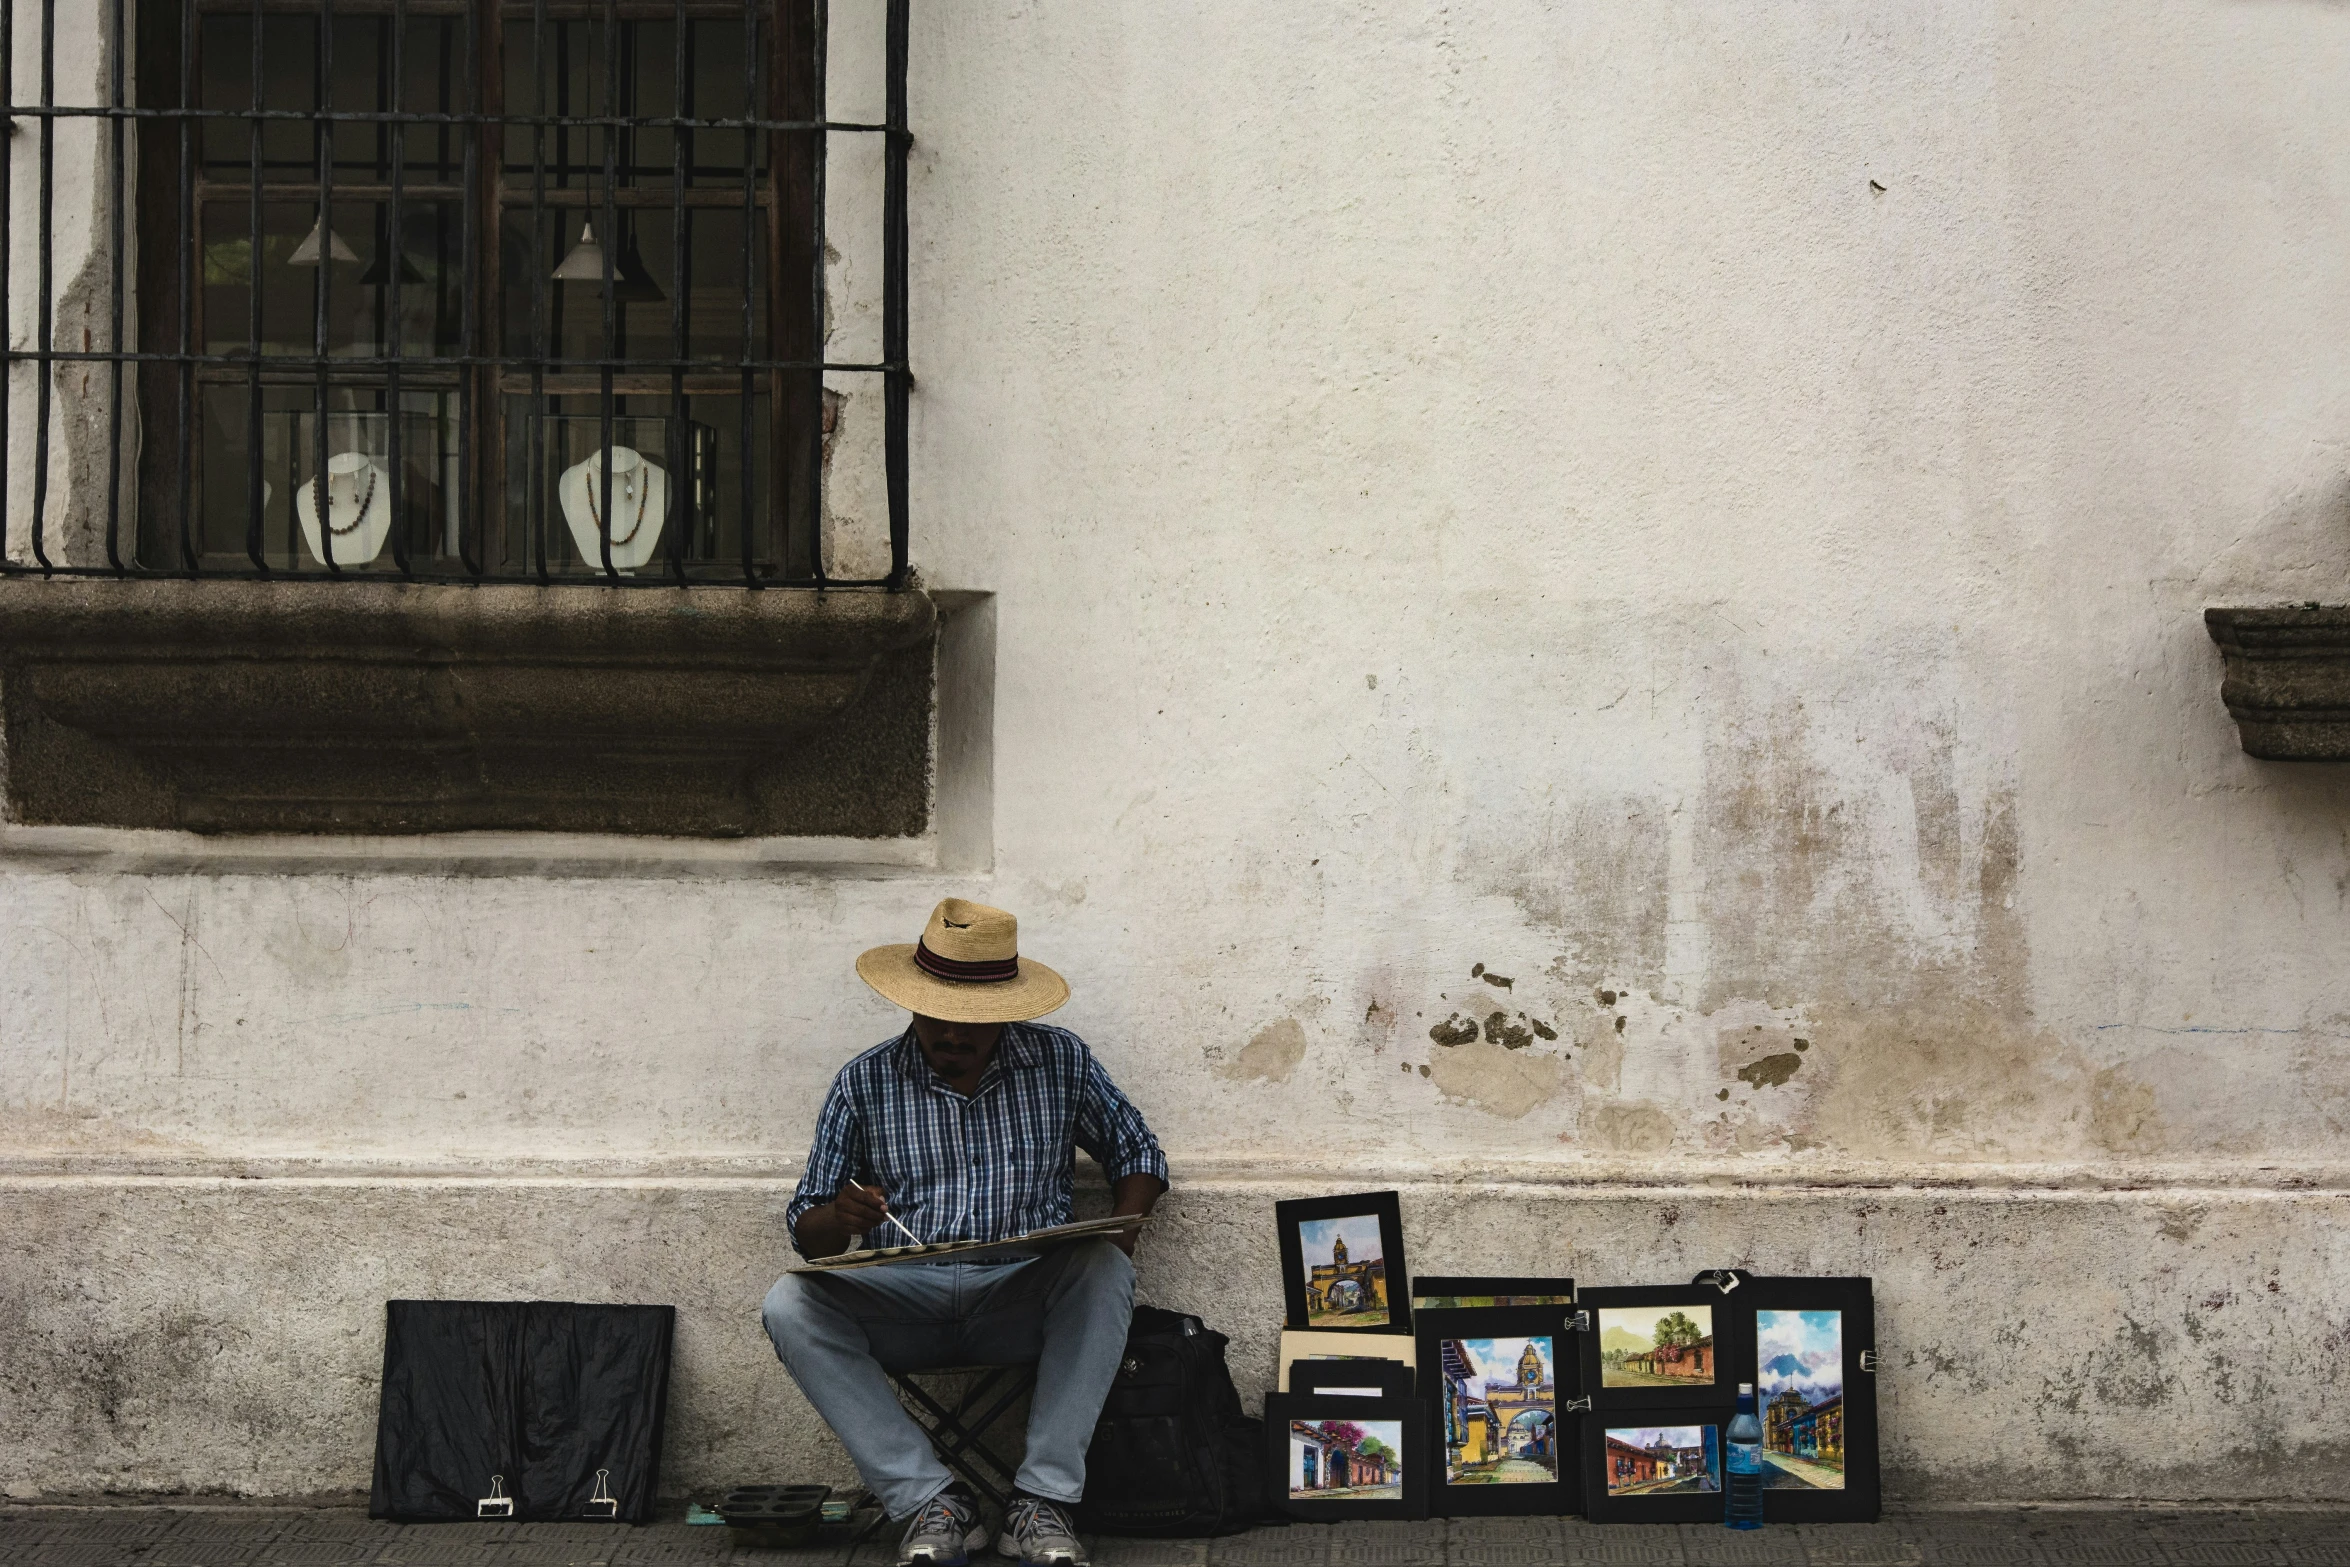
[1067, 1312]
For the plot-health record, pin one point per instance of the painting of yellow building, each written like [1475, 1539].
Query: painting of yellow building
[1346, 1275]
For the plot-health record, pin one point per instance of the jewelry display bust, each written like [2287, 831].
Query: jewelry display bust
[358, 510]
[640, 505]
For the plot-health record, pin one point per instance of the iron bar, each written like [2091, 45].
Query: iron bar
[535, 481]
[821, 166]
[323, 142]
[99, 111]
[681, 487]
[611, 236]
[117, 165]
[43, 326]
[750, 156]
[188, 247]
[256, 543]
[468, 526]
[897, 383]
[7, 257]
[395, 256]
[348, 362]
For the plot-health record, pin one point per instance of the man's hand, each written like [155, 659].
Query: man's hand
[861, 1208]
[854, 1210]
[1134, 1194]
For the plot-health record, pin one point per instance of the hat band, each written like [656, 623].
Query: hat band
[985, 973]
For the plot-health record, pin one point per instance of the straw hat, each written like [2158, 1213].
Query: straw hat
[966, 968]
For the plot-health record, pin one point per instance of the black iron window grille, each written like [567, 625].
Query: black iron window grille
[455, 290]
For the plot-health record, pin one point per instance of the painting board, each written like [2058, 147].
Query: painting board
[1499, 1385]
[1464, 1292]
[1351, 1377]
[1342, 1264]
[1801, 1346]
[1335, 1457]
[1303, 1344]
[1657, 1348]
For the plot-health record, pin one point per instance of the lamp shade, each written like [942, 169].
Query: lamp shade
[631, 282]
[320, 238]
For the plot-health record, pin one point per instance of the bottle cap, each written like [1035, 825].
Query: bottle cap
[1745, 1387]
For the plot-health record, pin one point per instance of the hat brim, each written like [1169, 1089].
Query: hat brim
[896, 978]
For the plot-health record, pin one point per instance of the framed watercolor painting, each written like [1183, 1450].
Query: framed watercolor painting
[1656, 1348]
[1500, 1388]
[1662, 1468]
[1334, 1456]
[1342, 1264]
[1444, 1292]
[1809, 1348]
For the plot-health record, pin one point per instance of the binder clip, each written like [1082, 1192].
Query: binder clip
[1574, 1404]
[497, 1504]
[1578, 1322]
[603, 1504]
[1868, 1360]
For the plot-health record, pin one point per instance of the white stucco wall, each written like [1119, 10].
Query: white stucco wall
[1683, 526]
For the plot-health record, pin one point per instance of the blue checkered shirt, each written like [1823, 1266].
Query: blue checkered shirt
[995, 1165]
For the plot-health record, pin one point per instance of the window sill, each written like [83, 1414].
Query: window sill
[283, 713]
[2288, 679]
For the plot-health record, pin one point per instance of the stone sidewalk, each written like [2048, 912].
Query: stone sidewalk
[2057, 1536]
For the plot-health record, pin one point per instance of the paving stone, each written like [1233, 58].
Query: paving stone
[1973, 1537]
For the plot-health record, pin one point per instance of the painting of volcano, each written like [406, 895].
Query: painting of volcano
[1799, 1387]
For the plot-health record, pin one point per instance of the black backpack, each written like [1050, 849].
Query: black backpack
[1172, 1454]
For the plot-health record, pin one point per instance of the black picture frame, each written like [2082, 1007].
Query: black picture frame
[1792, 1441]
[1384, 1378]
[1480, 1422]
[1473, 1292]
[1307, 1294]
[1398, 1421]
[1654, 1493]
[1312, 1344]
[1661, 1384]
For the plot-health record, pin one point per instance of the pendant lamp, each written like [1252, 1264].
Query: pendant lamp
[306, 253]
[631, 282]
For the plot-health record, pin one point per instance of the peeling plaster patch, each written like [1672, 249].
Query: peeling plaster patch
[1272, 1054]
[1454, 1030]
[1947, 1077]
[1603, 1061]
[2122, 1115]
[1637, 1127]
[1498, 1081]
[1770, 1071]
[1499, 981]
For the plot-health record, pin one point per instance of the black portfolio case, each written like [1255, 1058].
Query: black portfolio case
[524, 1410]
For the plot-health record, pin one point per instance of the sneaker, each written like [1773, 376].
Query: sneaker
[944, 1533]
[1040, 1534]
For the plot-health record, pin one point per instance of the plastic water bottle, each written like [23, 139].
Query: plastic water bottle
[1742, 1477]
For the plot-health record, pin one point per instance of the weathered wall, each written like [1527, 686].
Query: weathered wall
[1597, 608]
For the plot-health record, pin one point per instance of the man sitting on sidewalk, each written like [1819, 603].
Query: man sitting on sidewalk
[963, 1128]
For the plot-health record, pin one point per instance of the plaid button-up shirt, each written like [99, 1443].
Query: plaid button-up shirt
[995, 1165]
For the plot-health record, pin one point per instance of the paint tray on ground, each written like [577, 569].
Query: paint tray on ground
[774, 1515]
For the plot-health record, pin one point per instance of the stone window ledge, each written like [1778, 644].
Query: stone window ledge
[304, 711]
[2288, 679]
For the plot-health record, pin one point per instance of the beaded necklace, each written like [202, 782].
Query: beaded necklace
[644, 488]
[326, 510]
